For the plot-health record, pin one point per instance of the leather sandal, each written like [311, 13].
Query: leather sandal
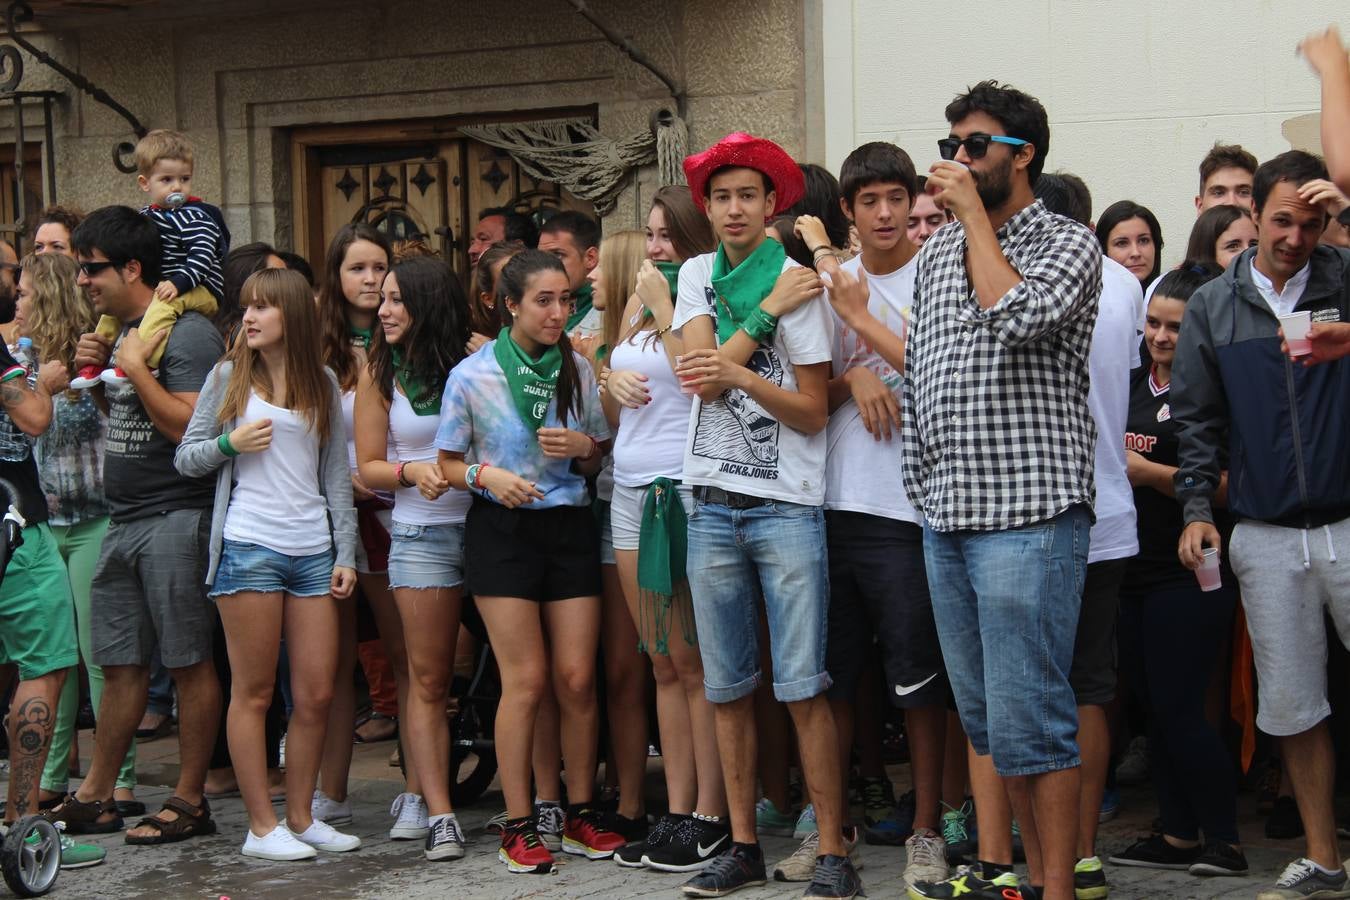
[83, 817]
[192, 821]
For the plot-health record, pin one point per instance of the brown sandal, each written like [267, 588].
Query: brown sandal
[83, 817]
[191, 822]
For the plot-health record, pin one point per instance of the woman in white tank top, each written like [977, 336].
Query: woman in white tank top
[423, 318]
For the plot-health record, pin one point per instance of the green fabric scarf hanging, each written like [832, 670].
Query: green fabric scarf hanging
[672, 272]
[423, 398]
[533, 382]
[581, 298]
[740, 290]
[663, 586]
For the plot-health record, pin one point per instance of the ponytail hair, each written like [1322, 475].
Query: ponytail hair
[515, 281]
[1182, 282]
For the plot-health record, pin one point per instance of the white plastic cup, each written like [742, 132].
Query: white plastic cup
[1295, 326]
[1208, 573]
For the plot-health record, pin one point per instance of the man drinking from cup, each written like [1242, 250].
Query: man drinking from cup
[1286, 427]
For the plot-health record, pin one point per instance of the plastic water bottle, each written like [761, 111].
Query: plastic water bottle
[26, 356]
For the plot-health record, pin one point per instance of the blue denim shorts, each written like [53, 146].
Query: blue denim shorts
[1006, 605]
[736, 555]
[253, 567]
[426, 556]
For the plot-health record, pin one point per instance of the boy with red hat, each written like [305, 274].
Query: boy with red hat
[757, 342]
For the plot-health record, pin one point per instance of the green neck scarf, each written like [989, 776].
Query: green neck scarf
[361, 337]
[533, 382]
[581, 297]
[672, 272]
[663, 585]
[740, 290]
[424, 402]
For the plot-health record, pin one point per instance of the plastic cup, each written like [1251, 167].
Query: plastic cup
[1296, 327]
[1208, 573]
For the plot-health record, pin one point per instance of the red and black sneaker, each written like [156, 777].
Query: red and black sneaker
[522, 851]
[585, 833]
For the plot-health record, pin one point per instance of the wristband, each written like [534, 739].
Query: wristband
[478, 475]
[223, 442]
[398, 473]
[759, 325]
[823, 248]
[595, 448]
[470, 474]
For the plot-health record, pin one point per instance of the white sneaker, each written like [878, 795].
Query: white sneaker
[411, 823]
[927, 853]
[280, 845]
[322, 836]
[325, 809]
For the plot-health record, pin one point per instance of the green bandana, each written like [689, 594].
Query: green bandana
[672, 272]
[361, 337]
[581, 297]
[740, 290]
[532, 382]
[423, 401]
[662, 553]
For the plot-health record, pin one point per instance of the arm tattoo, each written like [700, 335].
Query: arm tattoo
[11, 394]
[31, 737]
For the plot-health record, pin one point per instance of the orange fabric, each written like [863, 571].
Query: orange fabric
[380, 677]
[1241, 696]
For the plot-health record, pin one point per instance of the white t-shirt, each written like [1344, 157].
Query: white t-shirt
[275, 502]
[734, 443]
[1115, 351]
[414, 440]
[651, 439]
[863, 474]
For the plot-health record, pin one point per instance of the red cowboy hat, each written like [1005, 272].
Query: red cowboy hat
[747, 151]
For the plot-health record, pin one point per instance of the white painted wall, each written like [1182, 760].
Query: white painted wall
[1136, 92]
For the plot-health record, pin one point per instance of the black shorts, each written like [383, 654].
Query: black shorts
[879, 592]
[1093, 675]
[534, 554]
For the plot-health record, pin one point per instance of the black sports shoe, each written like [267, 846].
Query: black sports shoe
[695, 844]
[1284, 822]
[631, 829]
[630, 854]
[835, 879]
[1155, 853]
[968, 883]
[742, 865]
[1219, 858]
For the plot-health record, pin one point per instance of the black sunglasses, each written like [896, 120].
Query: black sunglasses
[977, 145]
[90, 269]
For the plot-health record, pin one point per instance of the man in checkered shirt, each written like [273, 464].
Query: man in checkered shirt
[999, 458]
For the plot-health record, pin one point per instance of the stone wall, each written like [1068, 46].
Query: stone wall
[236, 84]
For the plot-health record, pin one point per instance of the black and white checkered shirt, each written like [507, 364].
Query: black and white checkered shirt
[998, 433]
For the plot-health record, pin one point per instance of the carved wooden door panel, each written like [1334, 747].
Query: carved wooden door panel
[404, 199]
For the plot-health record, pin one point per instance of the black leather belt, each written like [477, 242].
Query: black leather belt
[729, 499]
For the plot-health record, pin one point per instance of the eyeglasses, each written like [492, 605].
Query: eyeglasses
[977, 145]
[90, 269]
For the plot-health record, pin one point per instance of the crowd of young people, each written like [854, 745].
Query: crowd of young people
[800, 441]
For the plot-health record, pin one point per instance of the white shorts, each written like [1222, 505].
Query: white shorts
[1284, 602]
[625, 513]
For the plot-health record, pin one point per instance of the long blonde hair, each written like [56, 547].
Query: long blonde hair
[308, 390]
[61, 309]
[621, 255]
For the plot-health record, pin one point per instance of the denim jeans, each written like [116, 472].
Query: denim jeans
[736, 555]
[1006, 605]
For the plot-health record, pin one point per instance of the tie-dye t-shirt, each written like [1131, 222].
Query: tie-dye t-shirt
[479, 419]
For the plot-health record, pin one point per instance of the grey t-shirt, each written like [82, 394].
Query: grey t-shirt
[138, 474]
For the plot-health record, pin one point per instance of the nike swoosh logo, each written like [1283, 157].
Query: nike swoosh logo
[903, 690]
[704, 851]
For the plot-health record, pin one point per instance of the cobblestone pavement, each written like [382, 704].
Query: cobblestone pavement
[212, 867]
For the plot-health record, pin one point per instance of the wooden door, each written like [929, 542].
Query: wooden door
[416, 178]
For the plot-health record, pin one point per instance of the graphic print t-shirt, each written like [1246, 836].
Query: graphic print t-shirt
[734, 443]
[479, 419]
[138, 474]
[17, 465]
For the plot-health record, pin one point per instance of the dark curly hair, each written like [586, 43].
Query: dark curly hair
[1020, 114]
